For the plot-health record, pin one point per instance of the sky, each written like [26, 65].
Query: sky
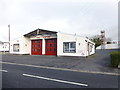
[83, 17]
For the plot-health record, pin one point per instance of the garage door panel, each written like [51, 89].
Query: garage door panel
[51, 46]
[36, 47]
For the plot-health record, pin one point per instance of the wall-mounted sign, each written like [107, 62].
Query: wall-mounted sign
[38, 37]
[44, 37]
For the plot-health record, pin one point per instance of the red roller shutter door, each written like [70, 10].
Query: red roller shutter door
[51, 46]
[36, 47]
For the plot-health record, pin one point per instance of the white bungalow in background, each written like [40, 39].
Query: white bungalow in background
[4, 46]
[111, 45]
[45, 42]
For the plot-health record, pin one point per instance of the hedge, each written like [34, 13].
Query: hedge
[115, 58]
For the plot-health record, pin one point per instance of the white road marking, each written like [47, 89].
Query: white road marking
[62, 81]
[3, 71]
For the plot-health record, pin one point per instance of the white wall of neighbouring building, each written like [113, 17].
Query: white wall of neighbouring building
[81, 45]
[24, 45]
[110, 46]
[4, 46]
[1, 47]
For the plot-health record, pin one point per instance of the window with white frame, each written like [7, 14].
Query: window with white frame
[91, 48]
[16, 48]
[69, 47]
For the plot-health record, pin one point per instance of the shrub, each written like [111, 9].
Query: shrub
[115, 58]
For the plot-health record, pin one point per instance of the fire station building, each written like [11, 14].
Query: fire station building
[45, 42]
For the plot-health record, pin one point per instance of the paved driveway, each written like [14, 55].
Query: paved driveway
[99, 62]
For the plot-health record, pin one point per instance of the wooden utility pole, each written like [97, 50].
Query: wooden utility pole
[9, 37]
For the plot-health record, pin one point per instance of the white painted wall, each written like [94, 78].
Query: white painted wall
[30, 47]
[43, 41]
[1, 47]
[81, 50]
[81, 44]
[6, 46]
[43, 46]
[24, 45]
[42, 37]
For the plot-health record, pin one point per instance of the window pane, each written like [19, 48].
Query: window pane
[16, 47]
[55, 50]
[69, 47]
[66, 47]
[72, 45]
[38, 41]
[38, 45]
[50, 45]
[38, 50]
[46, 50]
[90, 48]
[55, 45]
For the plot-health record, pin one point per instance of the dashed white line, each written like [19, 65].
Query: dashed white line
[62, 81]
[3, 71]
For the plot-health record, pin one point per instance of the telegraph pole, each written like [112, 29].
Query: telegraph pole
[9, 37]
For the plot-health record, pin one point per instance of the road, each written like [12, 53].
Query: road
[99, 62]
[18, 76]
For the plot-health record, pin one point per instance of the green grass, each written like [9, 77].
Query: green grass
[115, 58]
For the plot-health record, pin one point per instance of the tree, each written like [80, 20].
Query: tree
[96, 40]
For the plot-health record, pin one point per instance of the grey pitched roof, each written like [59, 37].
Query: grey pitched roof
[39, 32]
[3, 42]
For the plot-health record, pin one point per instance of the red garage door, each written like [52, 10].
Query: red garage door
[51, 46]
[36, 48]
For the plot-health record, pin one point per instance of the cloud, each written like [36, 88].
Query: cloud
[81, 17]
[70, 1]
